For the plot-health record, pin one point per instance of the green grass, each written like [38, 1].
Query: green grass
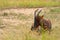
[28, 3]
[55, 10]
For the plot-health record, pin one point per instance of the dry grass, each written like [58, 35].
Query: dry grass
[17, 27]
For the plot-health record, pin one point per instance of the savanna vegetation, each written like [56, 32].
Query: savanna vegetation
[16, 26]
[28, 3]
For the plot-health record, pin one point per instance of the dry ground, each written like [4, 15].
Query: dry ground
[15, 24]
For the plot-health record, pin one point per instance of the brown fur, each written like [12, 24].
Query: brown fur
[40, 21]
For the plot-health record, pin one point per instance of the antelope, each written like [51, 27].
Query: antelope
[39, 21]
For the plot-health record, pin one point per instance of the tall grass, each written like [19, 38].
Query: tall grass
[21, 30]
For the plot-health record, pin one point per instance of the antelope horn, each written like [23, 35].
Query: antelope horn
[35, 12]
[39, 12]
[35, 17]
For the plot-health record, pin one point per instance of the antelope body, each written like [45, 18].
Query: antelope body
[40, 21]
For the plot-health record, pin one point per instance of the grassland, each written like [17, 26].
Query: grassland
[16, 26]
[28, 3]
